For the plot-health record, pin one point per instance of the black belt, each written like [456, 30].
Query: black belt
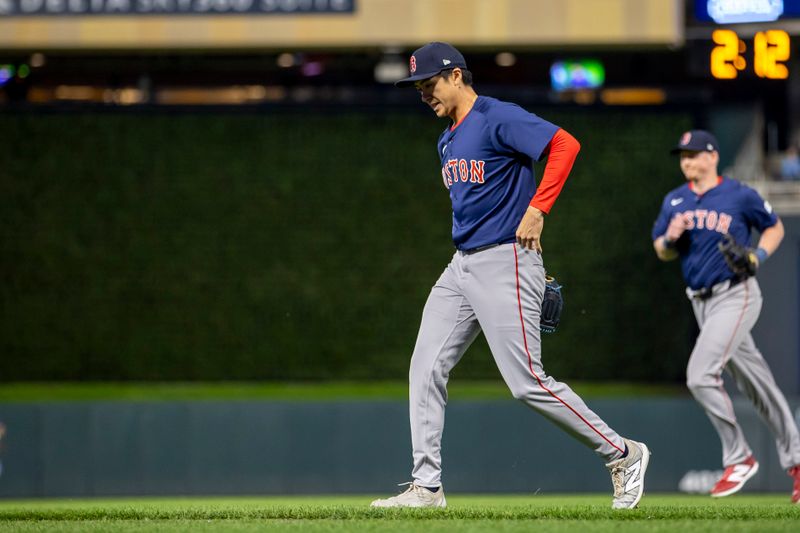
[707, 292]
[480, 248]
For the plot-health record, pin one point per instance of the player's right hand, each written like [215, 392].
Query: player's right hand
[676, 228]
[529, 232]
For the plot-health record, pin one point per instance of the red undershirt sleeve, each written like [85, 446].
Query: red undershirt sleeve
[563, 149]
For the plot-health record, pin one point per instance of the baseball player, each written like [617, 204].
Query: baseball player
[694, 224]
[496, 279]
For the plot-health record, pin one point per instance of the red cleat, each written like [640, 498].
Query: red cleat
[735, 477]
[795, 473]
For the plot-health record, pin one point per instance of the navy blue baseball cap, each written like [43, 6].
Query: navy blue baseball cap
[697, 141]
[430, 60]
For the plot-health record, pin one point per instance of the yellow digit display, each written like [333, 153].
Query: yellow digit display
[770, 49]
[726, 61]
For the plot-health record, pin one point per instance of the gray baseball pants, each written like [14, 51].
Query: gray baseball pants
[725, 342]
[499, 291]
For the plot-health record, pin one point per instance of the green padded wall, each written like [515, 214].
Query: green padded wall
[302, 245]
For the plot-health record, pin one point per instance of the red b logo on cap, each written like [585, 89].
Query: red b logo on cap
[686, 138]
[412, 64]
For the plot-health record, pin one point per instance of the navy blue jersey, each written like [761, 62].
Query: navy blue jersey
[487, 165]
[730, 207]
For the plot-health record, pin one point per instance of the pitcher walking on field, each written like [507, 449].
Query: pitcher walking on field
[496, 279]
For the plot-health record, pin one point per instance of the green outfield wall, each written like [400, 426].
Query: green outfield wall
[79, 449]
[302, 245]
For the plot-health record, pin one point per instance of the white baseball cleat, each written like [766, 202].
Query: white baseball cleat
[414, 496]
[627, 475]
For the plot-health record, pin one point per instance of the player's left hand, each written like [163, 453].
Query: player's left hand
[552, 304]
[742, 261]
[529, 232]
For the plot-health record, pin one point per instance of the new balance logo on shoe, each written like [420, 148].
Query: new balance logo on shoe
[739, 474]
[632, 473]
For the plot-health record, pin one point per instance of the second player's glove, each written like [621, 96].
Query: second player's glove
[742, 260]
[552, 304]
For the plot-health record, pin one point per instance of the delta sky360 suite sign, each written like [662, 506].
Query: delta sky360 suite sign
[172, 7]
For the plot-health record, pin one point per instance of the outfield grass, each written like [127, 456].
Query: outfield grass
[303, 391]
[466, 513]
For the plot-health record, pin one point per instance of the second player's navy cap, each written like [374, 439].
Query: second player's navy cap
[697, 141]
[430, 60]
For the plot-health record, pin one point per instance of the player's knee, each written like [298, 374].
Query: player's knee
[423, 370]
[520, 393]
[702, 381]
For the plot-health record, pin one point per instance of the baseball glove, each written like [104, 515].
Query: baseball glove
[552, 303]
[741, 260]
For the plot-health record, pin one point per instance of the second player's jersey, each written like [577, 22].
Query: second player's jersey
[730, 207]
[487, 165]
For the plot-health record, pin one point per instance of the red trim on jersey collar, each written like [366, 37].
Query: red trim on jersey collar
[454, 126]
[719, 182]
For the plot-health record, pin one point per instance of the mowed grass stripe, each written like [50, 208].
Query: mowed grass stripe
[296, 391]
[462, 508]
